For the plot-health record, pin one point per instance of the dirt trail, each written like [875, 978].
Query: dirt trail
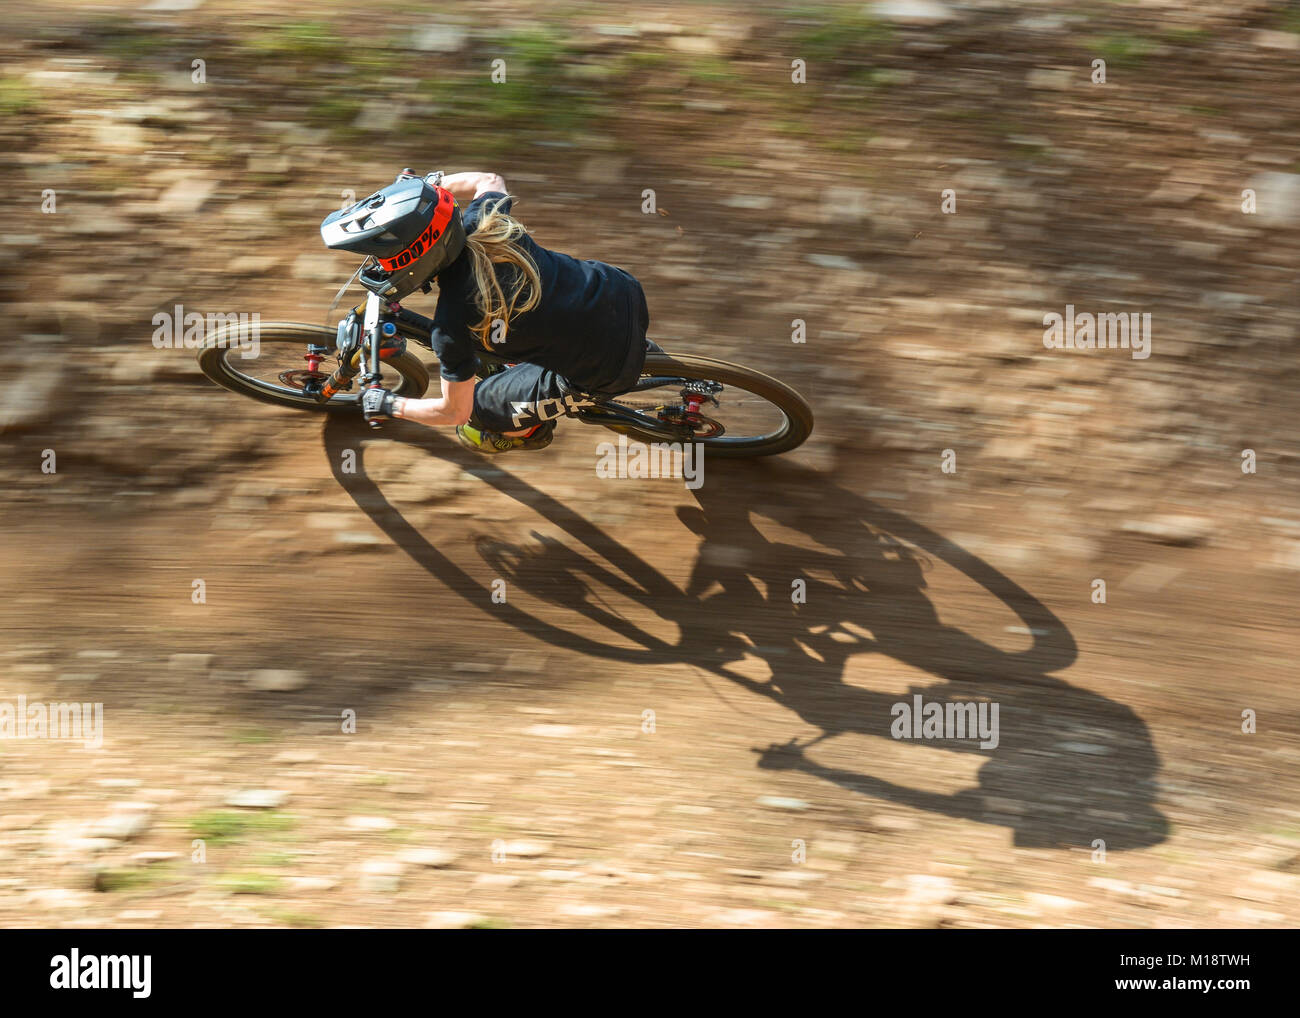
[648, 731]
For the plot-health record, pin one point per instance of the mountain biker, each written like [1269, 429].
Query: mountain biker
[570, 328]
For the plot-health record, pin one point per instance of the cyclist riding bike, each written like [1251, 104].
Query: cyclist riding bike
[568, 327]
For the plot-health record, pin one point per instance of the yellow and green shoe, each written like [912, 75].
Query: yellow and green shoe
[480, 440]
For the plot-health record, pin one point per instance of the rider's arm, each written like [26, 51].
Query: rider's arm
[468, 186]
[453, 407]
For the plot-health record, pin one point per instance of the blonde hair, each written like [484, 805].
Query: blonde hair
[495, 241]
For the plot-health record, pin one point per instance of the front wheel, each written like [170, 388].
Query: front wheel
[730, 409]
[277, 370]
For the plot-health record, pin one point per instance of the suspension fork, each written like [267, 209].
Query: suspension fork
[372, 333]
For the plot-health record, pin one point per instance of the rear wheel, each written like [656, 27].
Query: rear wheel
[280, 371]
[730, 409]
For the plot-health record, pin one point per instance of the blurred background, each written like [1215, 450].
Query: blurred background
[314, 711]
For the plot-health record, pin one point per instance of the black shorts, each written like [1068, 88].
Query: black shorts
[528, 394]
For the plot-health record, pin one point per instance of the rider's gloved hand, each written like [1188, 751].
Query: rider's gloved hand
[377, 404]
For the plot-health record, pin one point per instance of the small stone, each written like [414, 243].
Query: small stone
[359, 538]
[552, 731]
[370, 823]
[699, 45]
[148, 858]
[1088, 748]
[381, 875]
[912, 12]
[295, 756]
[1268, 39]
[782, 802]
[310, 884]
[57, 897]
[525, 849]
[832, 261]
[186, 197]
[923, 889]
[1114, 886]
[1277, 198]
[127, 822]
[190, 662]
[276, 680]
[258, 798]
[1173, 529]
[1056, 78]
[1051, 902]
[579, 911]
[453, 920]
[430, 857]
[1150, 578]
[742, 917]
[497, 880]
[440, 38]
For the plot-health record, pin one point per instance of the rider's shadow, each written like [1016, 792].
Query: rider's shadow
[1071, 767]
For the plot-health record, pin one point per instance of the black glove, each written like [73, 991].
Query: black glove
[377, 405]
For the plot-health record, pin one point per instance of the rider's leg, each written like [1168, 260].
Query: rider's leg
[514, 409]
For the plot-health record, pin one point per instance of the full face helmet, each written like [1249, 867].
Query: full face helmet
[412, 229]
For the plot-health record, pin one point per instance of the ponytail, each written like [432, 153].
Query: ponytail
[495, 241]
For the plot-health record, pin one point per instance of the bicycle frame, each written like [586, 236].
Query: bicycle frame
[361, 351]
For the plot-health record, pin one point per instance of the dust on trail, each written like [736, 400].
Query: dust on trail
[649, 730]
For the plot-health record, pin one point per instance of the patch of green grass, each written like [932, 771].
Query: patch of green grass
[845, 143]
[1122, 50]
[248, 883]
[797, 128]
[645, 59]
[300, 920]
[16, 96]
[778, 904]
[298, 40]
[253, 736]
[829, 32]
[273, 859]
[489, 923]
[220, 827]
[337, 111]
[707, 70]
[1187, 36]
[124, 38]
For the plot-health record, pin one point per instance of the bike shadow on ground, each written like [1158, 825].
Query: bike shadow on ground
[1072, 769]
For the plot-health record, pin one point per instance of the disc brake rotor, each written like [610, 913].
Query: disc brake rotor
[300, 377]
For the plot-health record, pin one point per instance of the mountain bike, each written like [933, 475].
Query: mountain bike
[729, 409]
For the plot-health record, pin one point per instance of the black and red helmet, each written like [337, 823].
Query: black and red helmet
[412, 228]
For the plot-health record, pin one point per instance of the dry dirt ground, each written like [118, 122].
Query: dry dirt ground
[349, 730]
